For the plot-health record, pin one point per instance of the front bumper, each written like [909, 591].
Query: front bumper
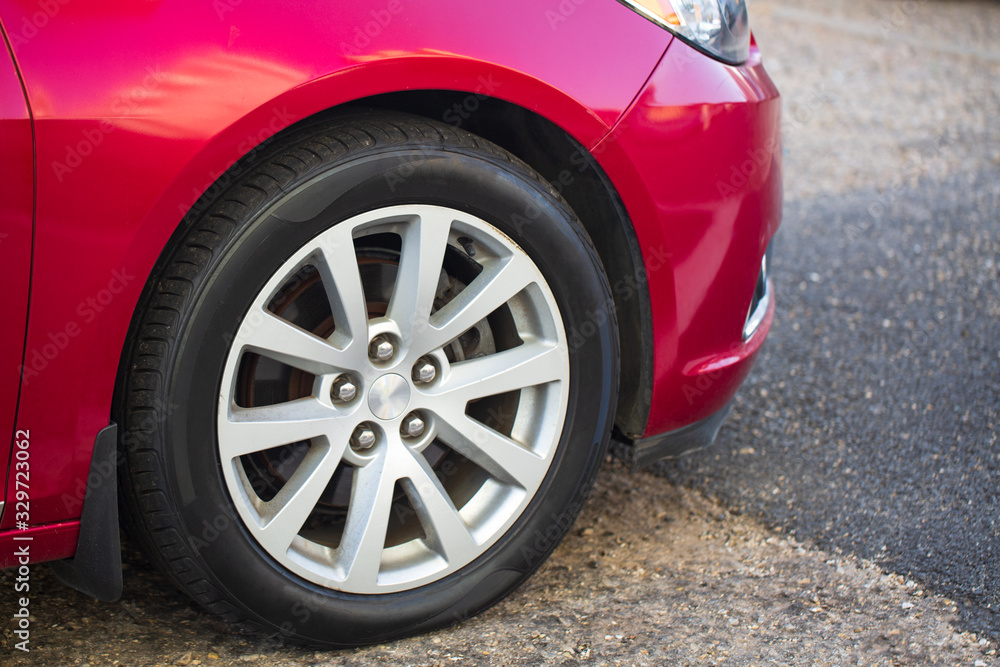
[697, 162]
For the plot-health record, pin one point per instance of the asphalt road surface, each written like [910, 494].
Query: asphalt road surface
[870, 422]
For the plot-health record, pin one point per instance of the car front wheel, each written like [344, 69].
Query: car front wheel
[371, 384]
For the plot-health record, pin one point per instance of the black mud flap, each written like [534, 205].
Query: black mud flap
[96, 568]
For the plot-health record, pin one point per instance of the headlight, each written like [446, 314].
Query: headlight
[717, 27]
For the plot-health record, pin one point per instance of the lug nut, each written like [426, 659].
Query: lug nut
[412, 425]
[363, 437]
[343, 390]
[424, 371]
[381, 349]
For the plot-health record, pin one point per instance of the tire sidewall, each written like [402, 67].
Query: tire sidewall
[524, 209]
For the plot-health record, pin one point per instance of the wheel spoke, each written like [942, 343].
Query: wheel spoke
[286, 513]
[501, 457]
[272, 337]
[422, 258]
[527, 365]
[248, 430]
[341, 279]
[360, 552]
[499, 282]
[444, 527]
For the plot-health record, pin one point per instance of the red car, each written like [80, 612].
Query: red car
[337, 305]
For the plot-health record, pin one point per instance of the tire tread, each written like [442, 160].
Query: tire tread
[207, 229]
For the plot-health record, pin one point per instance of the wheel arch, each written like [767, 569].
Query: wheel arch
[560, 156]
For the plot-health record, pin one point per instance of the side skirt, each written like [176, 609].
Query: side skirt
[641, 453]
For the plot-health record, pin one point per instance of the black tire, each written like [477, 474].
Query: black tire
[176, 501]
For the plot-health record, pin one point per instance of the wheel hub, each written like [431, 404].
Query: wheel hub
[389, 396]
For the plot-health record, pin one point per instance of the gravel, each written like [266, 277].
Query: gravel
[652, 574]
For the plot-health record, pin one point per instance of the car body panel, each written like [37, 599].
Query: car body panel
[16, 212]
[44, 543]
[142, 107]
[697, 161]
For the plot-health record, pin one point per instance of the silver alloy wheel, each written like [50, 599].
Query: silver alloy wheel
[500, 465]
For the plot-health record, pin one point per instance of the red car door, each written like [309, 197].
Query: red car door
[16, 214]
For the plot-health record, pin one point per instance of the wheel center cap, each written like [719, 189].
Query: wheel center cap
[389, 396]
